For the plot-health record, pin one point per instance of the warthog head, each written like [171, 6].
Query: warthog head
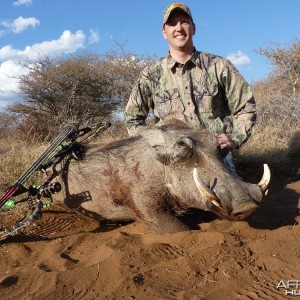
[196, 174]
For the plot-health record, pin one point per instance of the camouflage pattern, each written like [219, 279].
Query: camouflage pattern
[207, 91]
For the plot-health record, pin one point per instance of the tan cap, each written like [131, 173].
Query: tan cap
[175, 5]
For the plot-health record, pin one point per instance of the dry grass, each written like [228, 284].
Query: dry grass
[116, 132]
[272, 146]
[16, 156]
[273, 141]
[268, 143]
[18, 152]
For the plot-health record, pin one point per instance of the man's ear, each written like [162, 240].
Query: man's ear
[164, 32]
[194, 28]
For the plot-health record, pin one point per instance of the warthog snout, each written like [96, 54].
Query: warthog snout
[244, 212]
[235, 202]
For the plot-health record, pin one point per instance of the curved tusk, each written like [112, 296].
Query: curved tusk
[205, 192]
[263, 184]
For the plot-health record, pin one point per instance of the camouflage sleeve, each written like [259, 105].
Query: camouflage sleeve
[137, 107]
[240, 102]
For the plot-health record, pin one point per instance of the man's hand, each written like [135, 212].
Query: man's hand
[225, 141]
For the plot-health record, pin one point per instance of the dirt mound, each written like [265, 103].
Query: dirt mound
[69, 256]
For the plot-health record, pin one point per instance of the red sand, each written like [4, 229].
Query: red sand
[78, 259]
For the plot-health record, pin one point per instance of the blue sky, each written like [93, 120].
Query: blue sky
[231, 28]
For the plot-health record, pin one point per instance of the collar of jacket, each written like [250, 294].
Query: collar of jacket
[195, 59]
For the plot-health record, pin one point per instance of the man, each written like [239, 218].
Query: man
[198, 88]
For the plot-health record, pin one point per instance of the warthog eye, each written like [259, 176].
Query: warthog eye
[185, 141]
[181, 143]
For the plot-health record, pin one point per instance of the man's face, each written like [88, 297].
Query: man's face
[179, 31]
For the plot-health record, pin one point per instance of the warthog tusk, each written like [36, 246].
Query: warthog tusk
[205, 191]
[216, 203]
[263, 184]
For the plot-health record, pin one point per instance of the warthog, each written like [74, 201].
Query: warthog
[157, 175]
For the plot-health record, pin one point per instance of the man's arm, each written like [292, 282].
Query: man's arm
[240, 102]
[137, 108]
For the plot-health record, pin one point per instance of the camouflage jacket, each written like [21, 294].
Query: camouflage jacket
[207, 90]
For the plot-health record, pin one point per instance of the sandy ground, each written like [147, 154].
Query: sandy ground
[67, 256]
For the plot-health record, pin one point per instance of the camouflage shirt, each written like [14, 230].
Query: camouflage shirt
[207, 90]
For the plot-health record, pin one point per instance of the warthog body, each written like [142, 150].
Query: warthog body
[155, 176]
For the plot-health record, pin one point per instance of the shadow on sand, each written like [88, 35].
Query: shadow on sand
[280, 207]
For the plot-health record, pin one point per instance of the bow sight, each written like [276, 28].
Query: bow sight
[63, 146]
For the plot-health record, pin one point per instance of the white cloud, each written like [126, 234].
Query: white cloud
[7, 52]
[3, 32]
[9, 73]
[94, 36]
[10, 59]
[68, 42]
[239, 58]
[20, 24]
[21, 2]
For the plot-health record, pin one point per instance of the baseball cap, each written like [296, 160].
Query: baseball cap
[172, 7]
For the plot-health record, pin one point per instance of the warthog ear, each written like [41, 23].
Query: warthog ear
[176, 153]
